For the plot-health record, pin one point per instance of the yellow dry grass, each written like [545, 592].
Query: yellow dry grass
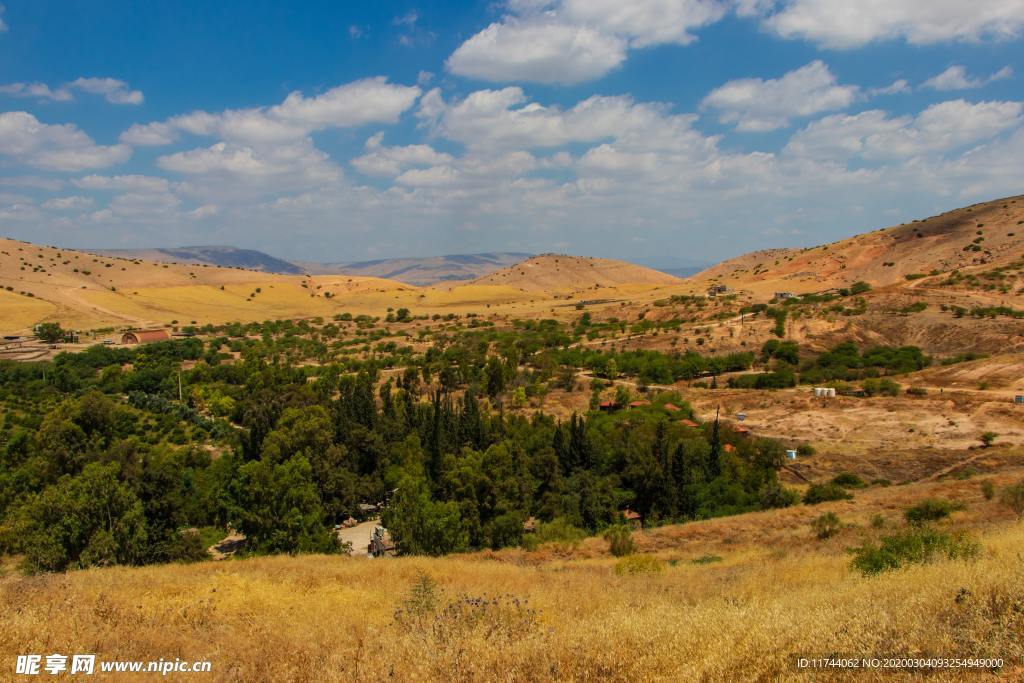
[320, 618]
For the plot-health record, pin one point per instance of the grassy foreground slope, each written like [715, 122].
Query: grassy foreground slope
[546, 615]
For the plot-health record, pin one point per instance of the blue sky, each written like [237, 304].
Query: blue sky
[668, 132]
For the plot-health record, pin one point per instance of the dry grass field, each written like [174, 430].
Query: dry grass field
[558, 613]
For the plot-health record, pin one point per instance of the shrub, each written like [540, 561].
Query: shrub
[822, 493]
[805, 449]
[988, 438]
[638, 564]
[877, 520]
[848, 480]
[988, 489]
[1013, 498]
[557, 531]
[913, 545]
[706, 559]
[917, 391]
[620, 541]
[930, 510]
[826, 526]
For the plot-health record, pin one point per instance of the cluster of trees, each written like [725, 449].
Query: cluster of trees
[118, 455]
[654, 367]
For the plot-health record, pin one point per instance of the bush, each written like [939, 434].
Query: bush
[880, 387]
[917, 391]
[822, 493]
[988, 438]
[826, 526]
[638, 564]
[930, 510]
[913, 545]
[557, 531]
[805, 449]
[988, 489]
[849, 480]
[620, 541]
[1013, 498]
[706, 559]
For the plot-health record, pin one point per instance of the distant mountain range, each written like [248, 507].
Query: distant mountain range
[427, 270]
[419, 271]
[414, 271]
[227, 257]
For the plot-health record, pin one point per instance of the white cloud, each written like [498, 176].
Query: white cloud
[506, 119]
[571, 41]
[56, 147]
[372, 100]
[897, 87]
[538, 51]
[72, 203]
[875, 136]
[391, 161]
[38, 90]
[755, 104]
[853, 23]
[956, 78]
[130, 183]
[113, 90]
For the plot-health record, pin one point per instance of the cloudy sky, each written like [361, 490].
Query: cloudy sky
[668, 132]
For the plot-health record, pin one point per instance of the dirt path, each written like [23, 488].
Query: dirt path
[359, 536]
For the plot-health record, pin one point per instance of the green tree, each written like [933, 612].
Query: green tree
[422, 526]
[85, 520]
[278, 508]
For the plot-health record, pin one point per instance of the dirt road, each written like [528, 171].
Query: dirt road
[359, 536]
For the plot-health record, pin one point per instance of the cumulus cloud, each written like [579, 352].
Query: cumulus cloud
[756, 104]
[571, 41]
[956, 78]
[897, 87]
[37, 90]
[112, 89]
[372, 100]
[852, 23]
[876, 136]
[381, 160]
[56, 147]
[72, 203]
[131, 183]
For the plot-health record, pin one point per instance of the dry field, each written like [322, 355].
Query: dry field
[556, 614]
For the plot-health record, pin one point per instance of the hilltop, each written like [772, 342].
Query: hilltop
[573, 274]
[986, 235]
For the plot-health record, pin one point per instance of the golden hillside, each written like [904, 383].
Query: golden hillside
[557, 273]
[981, 236]
[723, 599]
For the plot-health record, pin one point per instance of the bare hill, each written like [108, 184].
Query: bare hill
[981, 236]
[558, 273]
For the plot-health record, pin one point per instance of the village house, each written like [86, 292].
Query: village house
[145, 336]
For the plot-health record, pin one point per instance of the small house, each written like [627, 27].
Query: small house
[608, 406]
[145, 336]
[742, 431]
[1019, 399]
[672, 407]
[689, 423]
[632, 518]
[784, 295]
[790, 454]
[639, 404]
[728, 448]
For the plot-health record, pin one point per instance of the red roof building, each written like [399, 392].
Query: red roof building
[145, 336]
[689, 423]
[672, 407]
[729, 448]
[639, 404]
